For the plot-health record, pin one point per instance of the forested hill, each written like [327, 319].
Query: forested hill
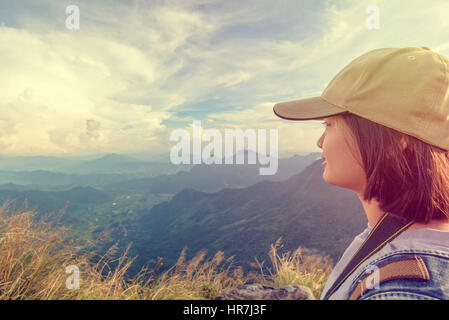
[303, 210]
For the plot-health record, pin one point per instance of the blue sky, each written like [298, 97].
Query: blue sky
[136, 70]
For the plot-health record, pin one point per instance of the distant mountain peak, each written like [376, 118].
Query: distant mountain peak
[116, 157]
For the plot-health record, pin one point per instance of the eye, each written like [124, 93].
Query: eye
[325, 124]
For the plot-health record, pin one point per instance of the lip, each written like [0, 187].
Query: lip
[324, 163]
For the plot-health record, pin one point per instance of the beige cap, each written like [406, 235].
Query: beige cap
[406, 89]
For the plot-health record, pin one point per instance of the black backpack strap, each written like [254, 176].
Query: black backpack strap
[386, 229]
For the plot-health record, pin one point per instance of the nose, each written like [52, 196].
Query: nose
[319, 143]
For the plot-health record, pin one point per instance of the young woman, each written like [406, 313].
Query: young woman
[387, 138]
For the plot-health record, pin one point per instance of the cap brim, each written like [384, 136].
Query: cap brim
[306, 109]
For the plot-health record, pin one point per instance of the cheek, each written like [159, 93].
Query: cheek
[341, 168]
[344, 174]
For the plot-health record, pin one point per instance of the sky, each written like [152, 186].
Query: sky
[135, 71]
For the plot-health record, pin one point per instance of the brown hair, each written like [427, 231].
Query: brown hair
[410, 180]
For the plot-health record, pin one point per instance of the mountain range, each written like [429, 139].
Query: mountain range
[106, 204]
[214, 177]
[215, 207]
[303, 210]
[53, 173]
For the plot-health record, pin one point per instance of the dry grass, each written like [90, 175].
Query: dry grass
[34, 257]
[297, 268]
[199, 280]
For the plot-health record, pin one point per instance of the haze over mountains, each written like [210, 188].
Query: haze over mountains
[214, 177]
[53, 173]
[110, 163]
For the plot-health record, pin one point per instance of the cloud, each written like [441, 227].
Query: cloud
[293, 135]
[53, 83]
[152, 66]
[92, 128]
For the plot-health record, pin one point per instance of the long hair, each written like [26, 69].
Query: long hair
[409, 180]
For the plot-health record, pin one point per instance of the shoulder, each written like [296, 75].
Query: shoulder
[403, 274]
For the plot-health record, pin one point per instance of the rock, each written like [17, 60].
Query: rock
[261, 292]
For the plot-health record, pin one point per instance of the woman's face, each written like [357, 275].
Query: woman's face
[341, 168]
